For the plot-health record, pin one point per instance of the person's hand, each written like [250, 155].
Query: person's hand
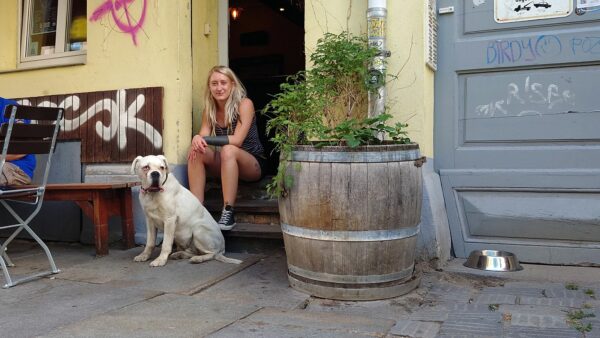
[198, 146]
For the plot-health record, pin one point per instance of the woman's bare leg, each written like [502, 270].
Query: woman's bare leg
[197, 171]
[236, 163]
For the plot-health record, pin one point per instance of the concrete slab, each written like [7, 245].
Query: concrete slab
[169, 315]
[263, 284]
[281, 323]
[118, 268]
[35, 308]
[177, 276]
[29, 256]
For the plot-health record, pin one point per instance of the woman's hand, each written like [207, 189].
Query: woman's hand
[198, 146]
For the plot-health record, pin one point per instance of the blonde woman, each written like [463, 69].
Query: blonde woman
[229, 123]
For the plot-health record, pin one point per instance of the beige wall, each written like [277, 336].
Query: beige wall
[205, 52]
[8, 36]
[161, 58]
[410, 96]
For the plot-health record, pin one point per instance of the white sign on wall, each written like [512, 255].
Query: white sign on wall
[587, 3]
[522, 10]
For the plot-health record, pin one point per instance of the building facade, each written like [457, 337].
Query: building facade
[131, 75]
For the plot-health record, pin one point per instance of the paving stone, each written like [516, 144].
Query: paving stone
[531, 332]
[555, 302]
[485, 316]
[528, 291]
[562, 292]
[169, 315]
[448, 293]
[494, 299]
[280, 323]
[457, 327]
[430, 314]
[483, 324]
[414, 329]
[536, 316]
[468, 308]
[535, 285]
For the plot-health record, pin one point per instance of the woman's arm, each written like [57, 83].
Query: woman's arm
[13, 157]
[198, 143]
[246, 110]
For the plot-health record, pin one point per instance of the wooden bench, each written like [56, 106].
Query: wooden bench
[99, 201]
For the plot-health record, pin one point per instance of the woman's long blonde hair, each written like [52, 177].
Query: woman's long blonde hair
[238, 92]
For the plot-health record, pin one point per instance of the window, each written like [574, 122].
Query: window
[53, 33]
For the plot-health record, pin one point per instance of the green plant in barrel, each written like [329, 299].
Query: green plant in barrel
[328, 104]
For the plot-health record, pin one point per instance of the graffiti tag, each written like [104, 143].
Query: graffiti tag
[114, 7]
[121, 115]
[529, 94]
[536, 48]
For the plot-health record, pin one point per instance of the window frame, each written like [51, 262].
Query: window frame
[53, 60]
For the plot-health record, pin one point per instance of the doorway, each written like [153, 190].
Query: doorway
[266, 44]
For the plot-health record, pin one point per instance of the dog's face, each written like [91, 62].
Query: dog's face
[152, 170]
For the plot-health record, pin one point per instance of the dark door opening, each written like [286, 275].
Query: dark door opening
[266, 44]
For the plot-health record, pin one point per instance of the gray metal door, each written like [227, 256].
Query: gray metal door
[517, 130]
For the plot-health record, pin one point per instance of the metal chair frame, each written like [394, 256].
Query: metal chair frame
[34, 138]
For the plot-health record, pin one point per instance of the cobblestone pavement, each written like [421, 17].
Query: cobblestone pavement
[113, 296]
[463, 304]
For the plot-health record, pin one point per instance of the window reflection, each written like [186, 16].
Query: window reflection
[77, 32]
[42, 39]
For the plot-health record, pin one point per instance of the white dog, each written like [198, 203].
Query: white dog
[172, 208]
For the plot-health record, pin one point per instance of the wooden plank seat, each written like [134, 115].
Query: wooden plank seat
[99, 201]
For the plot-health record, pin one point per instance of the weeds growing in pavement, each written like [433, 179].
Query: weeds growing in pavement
[571, 286]
[574, 320]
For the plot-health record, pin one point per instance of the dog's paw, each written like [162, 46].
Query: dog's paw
[177, 255]
[158, 262]
[141, 258]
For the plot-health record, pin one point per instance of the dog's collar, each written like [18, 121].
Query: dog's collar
[155, 189]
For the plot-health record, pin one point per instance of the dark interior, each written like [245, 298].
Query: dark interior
[266, 44]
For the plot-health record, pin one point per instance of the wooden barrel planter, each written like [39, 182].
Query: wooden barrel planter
[350, 220]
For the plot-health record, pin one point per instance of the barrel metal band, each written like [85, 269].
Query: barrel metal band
[359, 156]
[350, 236]
[350, 279]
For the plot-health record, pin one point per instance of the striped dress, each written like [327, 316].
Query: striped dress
[251, 143]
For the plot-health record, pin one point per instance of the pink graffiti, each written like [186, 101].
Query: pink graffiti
[113, 6]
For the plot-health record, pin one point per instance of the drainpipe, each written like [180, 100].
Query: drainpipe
[376, 22]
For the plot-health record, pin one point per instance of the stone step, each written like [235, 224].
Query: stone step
[262, 206]
[253, 238]
[256, 215]
[264, 212]
[270, 231]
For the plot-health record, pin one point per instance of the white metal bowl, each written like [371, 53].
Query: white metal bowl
[493, 260]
